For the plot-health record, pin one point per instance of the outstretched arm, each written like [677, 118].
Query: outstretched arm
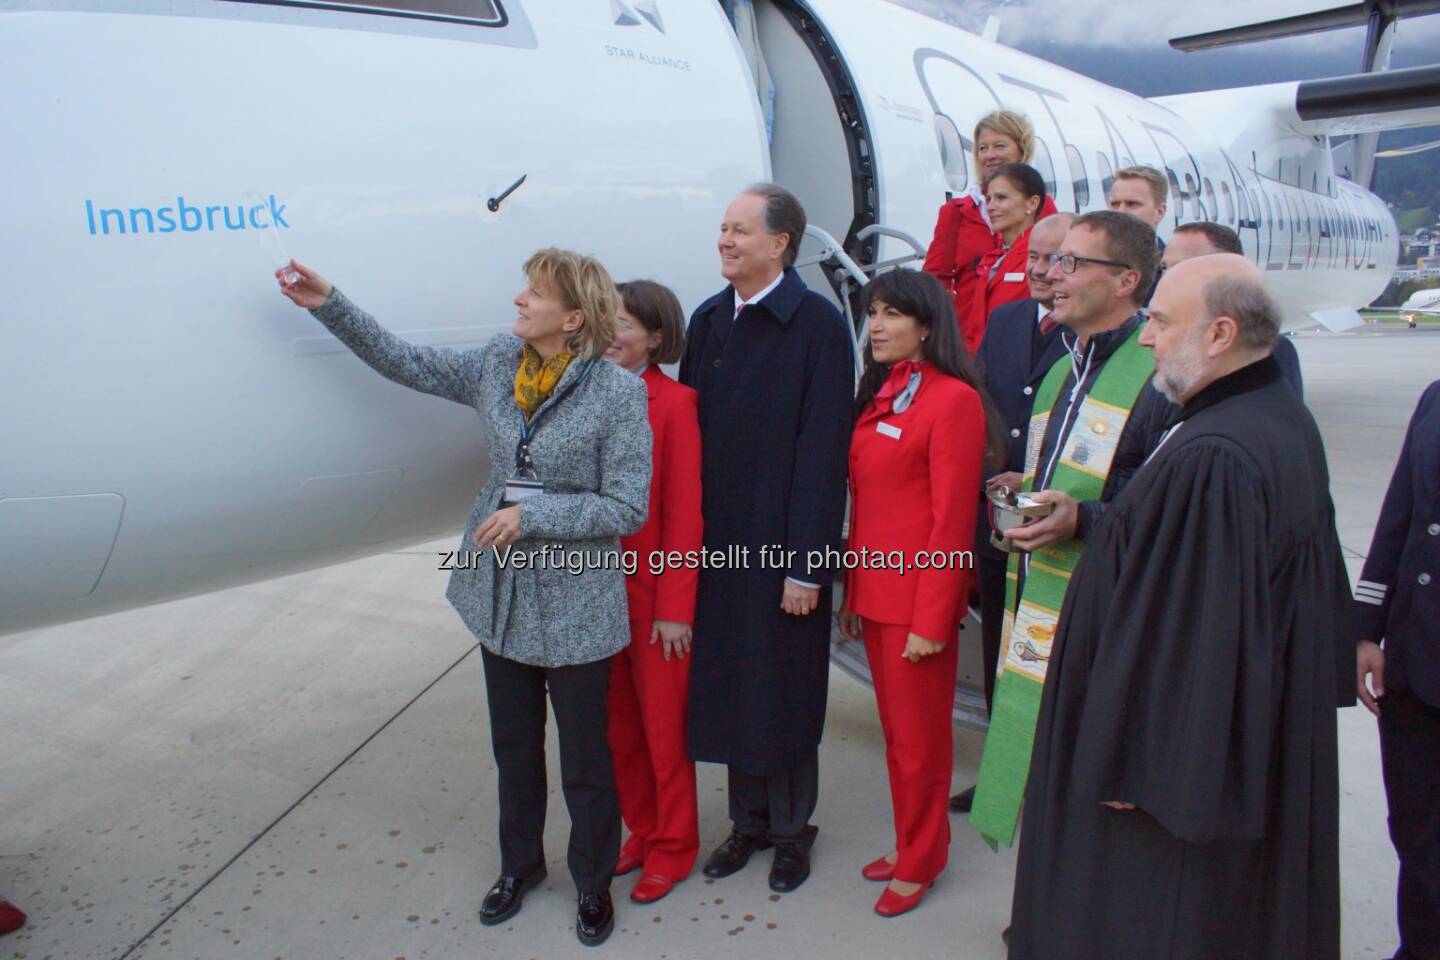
[451, 374]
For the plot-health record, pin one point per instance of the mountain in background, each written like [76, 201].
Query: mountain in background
[1089, 37]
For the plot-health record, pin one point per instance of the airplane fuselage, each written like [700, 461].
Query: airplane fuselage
[175, 426]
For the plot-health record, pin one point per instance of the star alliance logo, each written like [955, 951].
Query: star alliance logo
[636, 14]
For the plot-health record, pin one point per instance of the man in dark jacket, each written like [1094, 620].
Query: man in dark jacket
[774, 368]
[1397, 600]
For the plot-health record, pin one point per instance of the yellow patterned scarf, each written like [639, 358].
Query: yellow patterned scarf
[536, 378]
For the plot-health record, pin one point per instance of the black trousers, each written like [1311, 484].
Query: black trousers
[992, 617]
[776, 807]
[1410, 756]
[516, 692]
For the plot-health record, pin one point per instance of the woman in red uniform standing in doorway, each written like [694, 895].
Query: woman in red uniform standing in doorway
[963, 232]
[649, 680]
[1015, 199]
[921, 436]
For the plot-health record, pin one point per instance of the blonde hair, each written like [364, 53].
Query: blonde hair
[1010, 124]
[580, 283]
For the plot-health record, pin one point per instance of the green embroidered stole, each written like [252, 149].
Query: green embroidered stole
[1029, 626]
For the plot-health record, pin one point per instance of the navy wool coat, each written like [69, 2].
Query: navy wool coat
[775, 389]
[1397, 599]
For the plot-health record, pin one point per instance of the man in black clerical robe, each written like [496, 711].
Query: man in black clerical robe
[1183, 795]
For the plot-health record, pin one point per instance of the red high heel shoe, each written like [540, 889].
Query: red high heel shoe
[881, 869]
[627, 863]
[12, 918]
[892, 904]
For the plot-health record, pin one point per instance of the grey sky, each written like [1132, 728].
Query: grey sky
[1126, 23]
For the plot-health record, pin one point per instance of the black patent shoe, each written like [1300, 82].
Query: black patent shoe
[791, 866]
[733, 854]
[594, 918]
[963, 801]
[505, 897]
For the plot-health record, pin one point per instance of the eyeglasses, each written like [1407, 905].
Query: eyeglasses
[1068, 262]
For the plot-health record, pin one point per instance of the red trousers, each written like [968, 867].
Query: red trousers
[654, 775]
[916, 701]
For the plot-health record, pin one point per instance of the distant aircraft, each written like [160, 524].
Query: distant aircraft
[174, 426]
[1423, 302]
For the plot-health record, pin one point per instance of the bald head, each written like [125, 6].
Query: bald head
[1211, 265]
[1045, 239]
[1052, 229]
[1210, 316]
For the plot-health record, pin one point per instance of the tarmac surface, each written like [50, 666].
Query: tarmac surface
[301, 769]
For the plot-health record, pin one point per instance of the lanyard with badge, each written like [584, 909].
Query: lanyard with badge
[525, 483]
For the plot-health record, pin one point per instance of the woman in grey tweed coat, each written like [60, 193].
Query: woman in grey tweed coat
[542, 626]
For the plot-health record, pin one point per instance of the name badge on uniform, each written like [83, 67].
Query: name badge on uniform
[1014, 278]
[518, 490]
[888, 429]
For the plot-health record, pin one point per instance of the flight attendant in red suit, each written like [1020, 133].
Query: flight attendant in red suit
[963, 231]
[649, 680]
[1015, 199]
[920, 440]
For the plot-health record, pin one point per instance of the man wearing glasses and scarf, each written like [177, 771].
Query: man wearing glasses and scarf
[1083, 441]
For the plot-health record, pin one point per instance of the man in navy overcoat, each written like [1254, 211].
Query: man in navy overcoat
[1397, 601]
[773, 365]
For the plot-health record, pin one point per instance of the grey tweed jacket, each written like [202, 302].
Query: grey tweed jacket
[592, 451]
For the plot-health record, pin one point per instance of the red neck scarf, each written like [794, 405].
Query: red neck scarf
[897, 385]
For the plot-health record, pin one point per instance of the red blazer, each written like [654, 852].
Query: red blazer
[916, 493]
[674, 520]
[961, 238]
[1009, 282]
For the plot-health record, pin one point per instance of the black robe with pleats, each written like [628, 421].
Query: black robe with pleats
[1194, 675]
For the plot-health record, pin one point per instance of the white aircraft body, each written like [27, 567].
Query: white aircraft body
[173, 425]
[1422, 303]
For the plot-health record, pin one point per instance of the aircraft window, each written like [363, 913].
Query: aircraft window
[485, 13]
[1176, 197]
[1192, 191]
[1107, 175]
[1079, 177]
[1041, 161]
[954, 158]
[1225, 201]
[1210, 203]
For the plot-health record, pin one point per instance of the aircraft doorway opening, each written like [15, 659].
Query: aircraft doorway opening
[819, 145]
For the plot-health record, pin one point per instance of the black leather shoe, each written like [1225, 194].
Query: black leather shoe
[962, 801]
[594, 918]
[791, 866]
[1005, 936]
[504, 899]
[733, 854]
